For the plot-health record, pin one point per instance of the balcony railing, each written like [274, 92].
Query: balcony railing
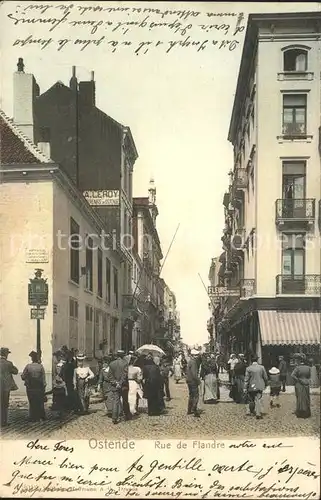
[294, 129]
[130, 303]
[247, 288]
[240, 178]
[298, 284]
[294, 209]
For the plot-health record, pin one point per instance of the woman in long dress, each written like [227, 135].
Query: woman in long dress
[35, 381]
[177, 369]
[82, 375]
[105, 386]
[135, 378]
[152, 387]
[209, 373]
[301, 376]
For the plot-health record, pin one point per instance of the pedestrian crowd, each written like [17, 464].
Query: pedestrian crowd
[249, 382]
[132, 382]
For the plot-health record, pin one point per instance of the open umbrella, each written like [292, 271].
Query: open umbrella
[154, 349]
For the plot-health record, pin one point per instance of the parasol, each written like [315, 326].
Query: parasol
[154, 349]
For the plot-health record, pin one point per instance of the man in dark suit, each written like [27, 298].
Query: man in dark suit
[193, 381]
[283, 371]
[118, 380]
[255, 381]
[7, 369]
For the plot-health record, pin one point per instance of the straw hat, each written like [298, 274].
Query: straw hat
[81, 356]
[274, 370]
[194, 352]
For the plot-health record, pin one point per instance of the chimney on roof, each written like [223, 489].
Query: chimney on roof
[25, 92]
[87, 93]
[73, 82]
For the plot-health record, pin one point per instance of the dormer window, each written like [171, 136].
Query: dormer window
[295, 59]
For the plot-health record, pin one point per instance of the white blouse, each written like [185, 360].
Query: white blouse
[83, 372]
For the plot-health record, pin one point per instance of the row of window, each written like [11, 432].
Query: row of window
[295, 59]
[99, 328]
[293, 252]
[106, 273]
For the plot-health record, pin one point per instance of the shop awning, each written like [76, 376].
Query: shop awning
[290, 327]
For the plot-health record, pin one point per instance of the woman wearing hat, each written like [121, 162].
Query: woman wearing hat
[35, 382]
[275, 386]
[82, 375]
[301, 376]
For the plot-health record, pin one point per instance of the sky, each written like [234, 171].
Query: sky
[178, 106]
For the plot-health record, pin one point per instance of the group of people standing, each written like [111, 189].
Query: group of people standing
[249, 382]
[133, 381]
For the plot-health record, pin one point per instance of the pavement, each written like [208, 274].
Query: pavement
[223, 420]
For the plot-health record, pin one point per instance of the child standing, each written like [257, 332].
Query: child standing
[275, 386]
[58, 396]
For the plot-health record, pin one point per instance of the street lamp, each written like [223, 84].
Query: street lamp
[38, 297]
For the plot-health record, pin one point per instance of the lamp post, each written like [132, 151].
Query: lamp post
[38, 297]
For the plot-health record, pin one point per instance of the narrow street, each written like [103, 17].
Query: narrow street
[224, 420]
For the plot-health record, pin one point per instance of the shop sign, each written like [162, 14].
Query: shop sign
[223, 291]
[102, 197]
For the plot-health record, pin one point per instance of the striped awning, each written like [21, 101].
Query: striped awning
[290, 327]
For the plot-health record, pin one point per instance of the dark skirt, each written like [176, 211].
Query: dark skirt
[302, 393]
[239, 389]
[59, 400]
[82, 391]
[36, 398]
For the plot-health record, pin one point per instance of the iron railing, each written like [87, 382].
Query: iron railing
[240, 178]
[295, 209]
[129, 302]
[294, 129]
[298, 284]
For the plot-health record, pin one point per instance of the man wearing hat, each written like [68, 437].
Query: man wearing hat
[255, 381]
[193, 381]
[7, 369]
[118, 379]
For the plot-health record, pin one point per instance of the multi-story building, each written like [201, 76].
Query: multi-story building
[148, 250]
[171, 319]
[46, 223]
[95, 151]
[271, 241]
[215, 280]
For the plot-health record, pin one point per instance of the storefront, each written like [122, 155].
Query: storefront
[284, 333]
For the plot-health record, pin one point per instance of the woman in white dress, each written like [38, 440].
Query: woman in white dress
[82, 375]
[135, 378]
[177, 369]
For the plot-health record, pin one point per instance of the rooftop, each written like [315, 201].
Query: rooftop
[15, 147]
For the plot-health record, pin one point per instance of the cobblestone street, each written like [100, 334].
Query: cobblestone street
[226, 419]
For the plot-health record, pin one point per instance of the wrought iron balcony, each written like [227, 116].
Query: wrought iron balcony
[240, 178]
[294, 130]
[247, 288]
[130, 303]
[298, 284]
[295, 210]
